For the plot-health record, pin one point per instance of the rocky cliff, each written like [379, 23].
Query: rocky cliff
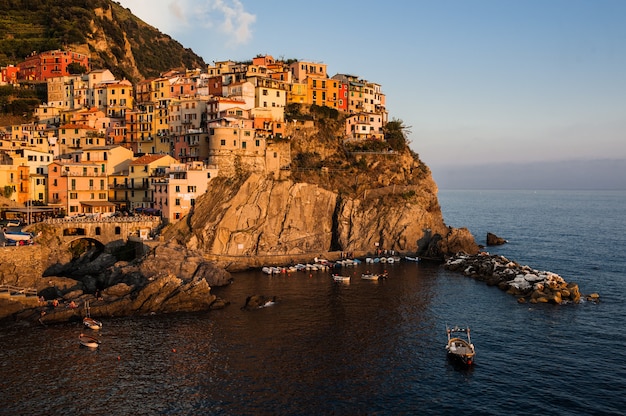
[254, 215]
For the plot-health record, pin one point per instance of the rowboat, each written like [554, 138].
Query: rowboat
[416, 259]
[370, 276]
[92, 323]
[88, 321]
[17, 235]
[340, 278]
[87, 341]
[458, 348]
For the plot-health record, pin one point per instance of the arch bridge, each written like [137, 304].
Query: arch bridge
[104, 231]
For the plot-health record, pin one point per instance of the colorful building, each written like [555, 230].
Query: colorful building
[44, 65]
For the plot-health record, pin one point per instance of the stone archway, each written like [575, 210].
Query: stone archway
[81, 246]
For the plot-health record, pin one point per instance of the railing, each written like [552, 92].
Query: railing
[134, 218]
[16, 290]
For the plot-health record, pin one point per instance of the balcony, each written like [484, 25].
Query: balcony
[83, 174]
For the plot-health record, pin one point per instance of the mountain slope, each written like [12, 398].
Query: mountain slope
[114, 37]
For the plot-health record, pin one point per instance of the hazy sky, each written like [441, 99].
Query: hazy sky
[478, 81]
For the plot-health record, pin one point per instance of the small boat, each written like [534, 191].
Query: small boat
[458, 348]
[18, 235]
[340, 278]
[88, 321]
[92, 323]
[370, 276]
[416, 259]
[87, 341]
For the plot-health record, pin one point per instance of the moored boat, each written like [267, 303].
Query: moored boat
[92, 323]
[341, 278]
[88, 321]
[87, 341]
[17, 238]
[370, 276]
[458, 348]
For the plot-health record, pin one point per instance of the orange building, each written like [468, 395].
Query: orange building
[44, 65]
[78, 187]
[9, 75]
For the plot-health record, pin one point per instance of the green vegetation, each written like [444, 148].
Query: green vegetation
[395, 135]
[28, 26]
[7, 192]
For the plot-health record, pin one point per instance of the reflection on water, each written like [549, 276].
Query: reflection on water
[365, 347]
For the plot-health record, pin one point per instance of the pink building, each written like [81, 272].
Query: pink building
[175, 193]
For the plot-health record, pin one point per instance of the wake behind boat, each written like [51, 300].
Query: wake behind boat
[460, 349]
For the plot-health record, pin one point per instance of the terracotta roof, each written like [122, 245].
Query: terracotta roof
[146, 159]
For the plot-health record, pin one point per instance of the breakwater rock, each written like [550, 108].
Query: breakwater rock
[521, 281]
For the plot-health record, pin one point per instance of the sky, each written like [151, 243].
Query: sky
[478, 83]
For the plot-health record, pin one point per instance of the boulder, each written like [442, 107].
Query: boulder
[494, 240]
[259, 301]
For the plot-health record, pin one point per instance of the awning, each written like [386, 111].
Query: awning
[98, 204]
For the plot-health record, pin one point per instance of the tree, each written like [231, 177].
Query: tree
[75, 68]
[395, 134]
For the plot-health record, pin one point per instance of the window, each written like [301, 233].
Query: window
[177, 202]
[191, 189]
[73, 195]
[177, 189]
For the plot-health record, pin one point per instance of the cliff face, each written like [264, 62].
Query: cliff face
[259, 216]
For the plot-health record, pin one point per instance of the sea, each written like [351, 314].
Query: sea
[364, 347]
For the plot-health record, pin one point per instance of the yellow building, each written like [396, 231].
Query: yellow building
[14, 179]
[140, 172]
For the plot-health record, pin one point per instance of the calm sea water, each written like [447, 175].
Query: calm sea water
[374, 348]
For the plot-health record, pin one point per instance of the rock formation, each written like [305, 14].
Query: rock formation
[170, 279]
[259, 216]
[521, 281]
[494, 240]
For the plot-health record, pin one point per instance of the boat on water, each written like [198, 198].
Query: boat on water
[92, 323]
[370, 276]
[460, 348]
[341, 278]
[409, 258]
[88, 321]
[87, 341]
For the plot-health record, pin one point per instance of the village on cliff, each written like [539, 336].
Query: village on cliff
[100, 145]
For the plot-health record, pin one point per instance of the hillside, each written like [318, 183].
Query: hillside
[112, 35]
